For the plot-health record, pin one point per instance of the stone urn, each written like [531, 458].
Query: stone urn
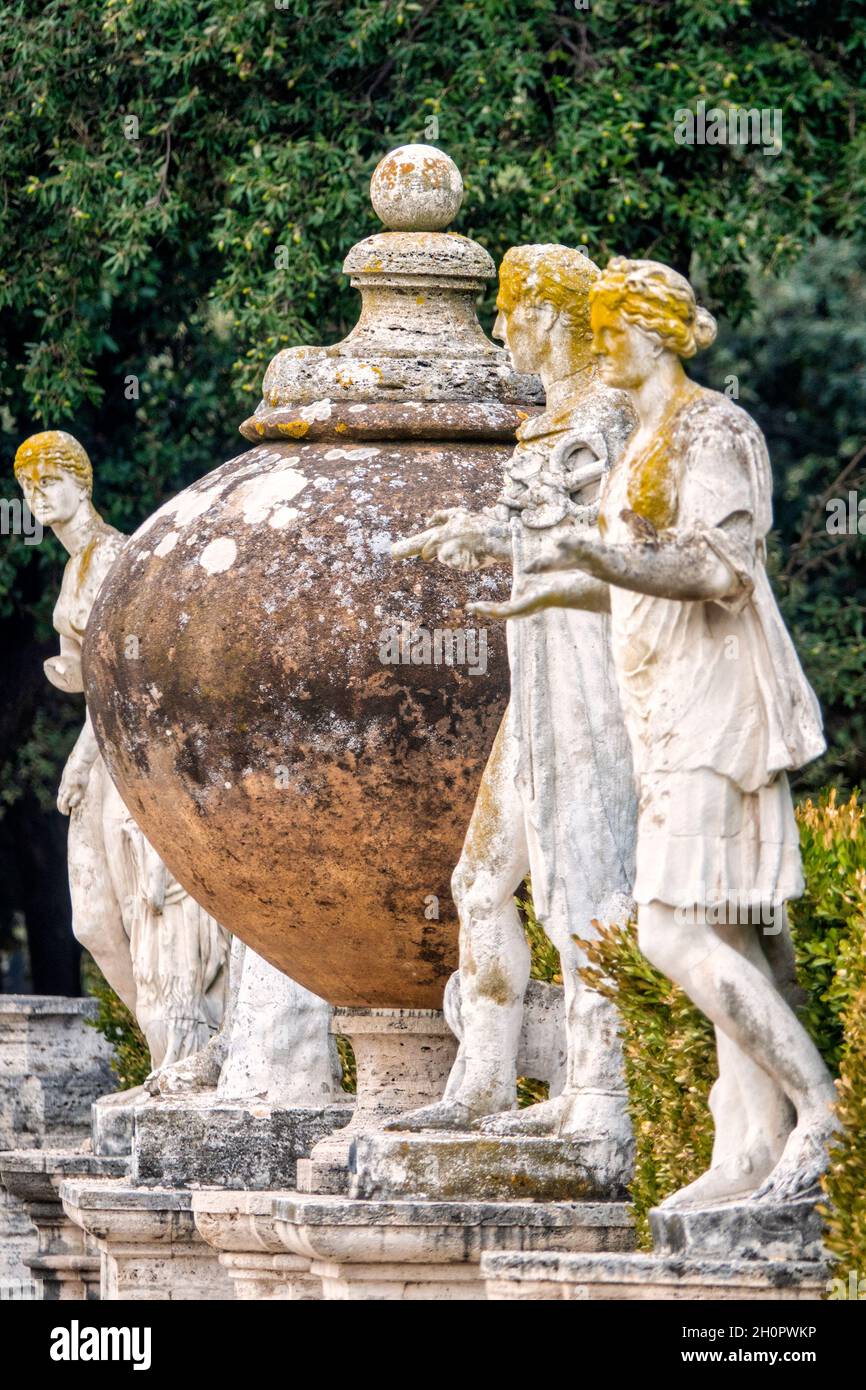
[297, 721]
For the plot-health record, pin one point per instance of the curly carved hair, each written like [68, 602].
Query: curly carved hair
[54, 448]
[657, 299]
[549, 274]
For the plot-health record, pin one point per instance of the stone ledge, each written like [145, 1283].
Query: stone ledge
[47, 1005]
[519, 1275]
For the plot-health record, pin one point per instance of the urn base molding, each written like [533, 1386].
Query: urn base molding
[403, 1058]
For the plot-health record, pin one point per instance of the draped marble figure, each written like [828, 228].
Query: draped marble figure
[718, 712]
[158, 949]
[556, 799]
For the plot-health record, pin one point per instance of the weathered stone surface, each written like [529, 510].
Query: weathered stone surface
[150, 1247]
[309, 793]
[791, 1231]
[52, 1065]
[200, 1142]
[407, 1250]
[242, 1227]
[475, 1167]
[402, 1059]
[112, 1121]
[637, 1277]
[65, 1264]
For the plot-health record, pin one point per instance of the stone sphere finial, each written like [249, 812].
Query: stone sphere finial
[416, 188]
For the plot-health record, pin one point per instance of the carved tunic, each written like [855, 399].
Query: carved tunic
[574, 767]
[715, 700]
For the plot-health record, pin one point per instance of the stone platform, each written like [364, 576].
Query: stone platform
[53, 1064]
[65, 1264]
[203, 1142]
[347, 1248]
[142, 1224]
[734, 1250]
[149, 1247]
[475, 1168]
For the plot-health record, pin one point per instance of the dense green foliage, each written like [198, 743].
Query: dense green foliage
[669, 1048]
[131, 1060]
[830, 936]
[159, 158]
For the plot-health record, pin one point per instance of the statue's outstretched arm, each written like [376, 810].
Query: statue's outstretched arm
[682, 565]
[460, 539]
[559, 591]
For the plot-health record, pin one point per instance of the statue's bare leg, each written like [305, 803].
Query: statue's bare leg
[594, 1101]
[494, 956]
[737, 993]
[97, 916]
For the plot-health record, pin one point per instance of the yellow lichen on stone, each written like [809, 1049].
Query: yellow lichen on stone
[296, 429]
[53, 449]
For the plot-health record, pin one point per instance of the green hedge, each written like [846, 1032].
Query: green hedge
[669, 1047]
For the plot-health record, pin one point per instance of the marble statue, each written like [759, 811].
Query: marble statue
[718, 712]
[157, 948]
[556, 799]
[274, 1046]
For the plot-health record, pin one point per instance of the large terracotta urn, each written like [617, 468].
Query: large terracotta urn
[267, 684]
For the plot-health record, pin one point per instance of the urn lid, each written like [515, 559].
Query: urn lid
[417, 362]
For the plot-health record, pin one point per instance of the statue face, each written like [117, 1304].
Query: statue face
[627, 355]
[52, 494]
[525, 331]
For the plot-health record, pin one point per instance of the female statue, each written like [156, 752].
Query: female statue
[557, 794]
[718, 712]
[161, 953]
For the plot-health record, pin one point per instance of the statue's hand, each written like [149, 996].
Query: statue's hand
[534, 597]
[456, 538]
[64, 671]
[559, 591]
[73, 784]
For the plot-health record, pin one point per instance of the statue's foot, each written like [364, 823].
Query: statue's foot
[445, 1114]
[542, 1119]
[736, 1177]
[804, 1159]
[199, 1072]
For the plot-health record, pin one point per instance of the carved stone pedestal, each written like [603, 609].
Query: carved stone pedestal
[149, 1246]
[408, 1250]
[206, 1142]
[243, 1228]
[52, 1066]
[301, 1246]
[144, 1226]
[473, 1167]
[736, 1250]
[66, 1262]
[403, 1058]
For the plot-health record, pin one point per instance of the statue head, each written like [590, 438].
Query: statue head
[543, 307]
[639, 311]
[55, 475]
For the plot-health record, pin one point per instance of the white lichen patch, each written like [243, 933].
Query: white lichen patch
[319, 410]
[167, 544]
[361, 452]
[282, 516]
[219, 555]
[267, 493]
